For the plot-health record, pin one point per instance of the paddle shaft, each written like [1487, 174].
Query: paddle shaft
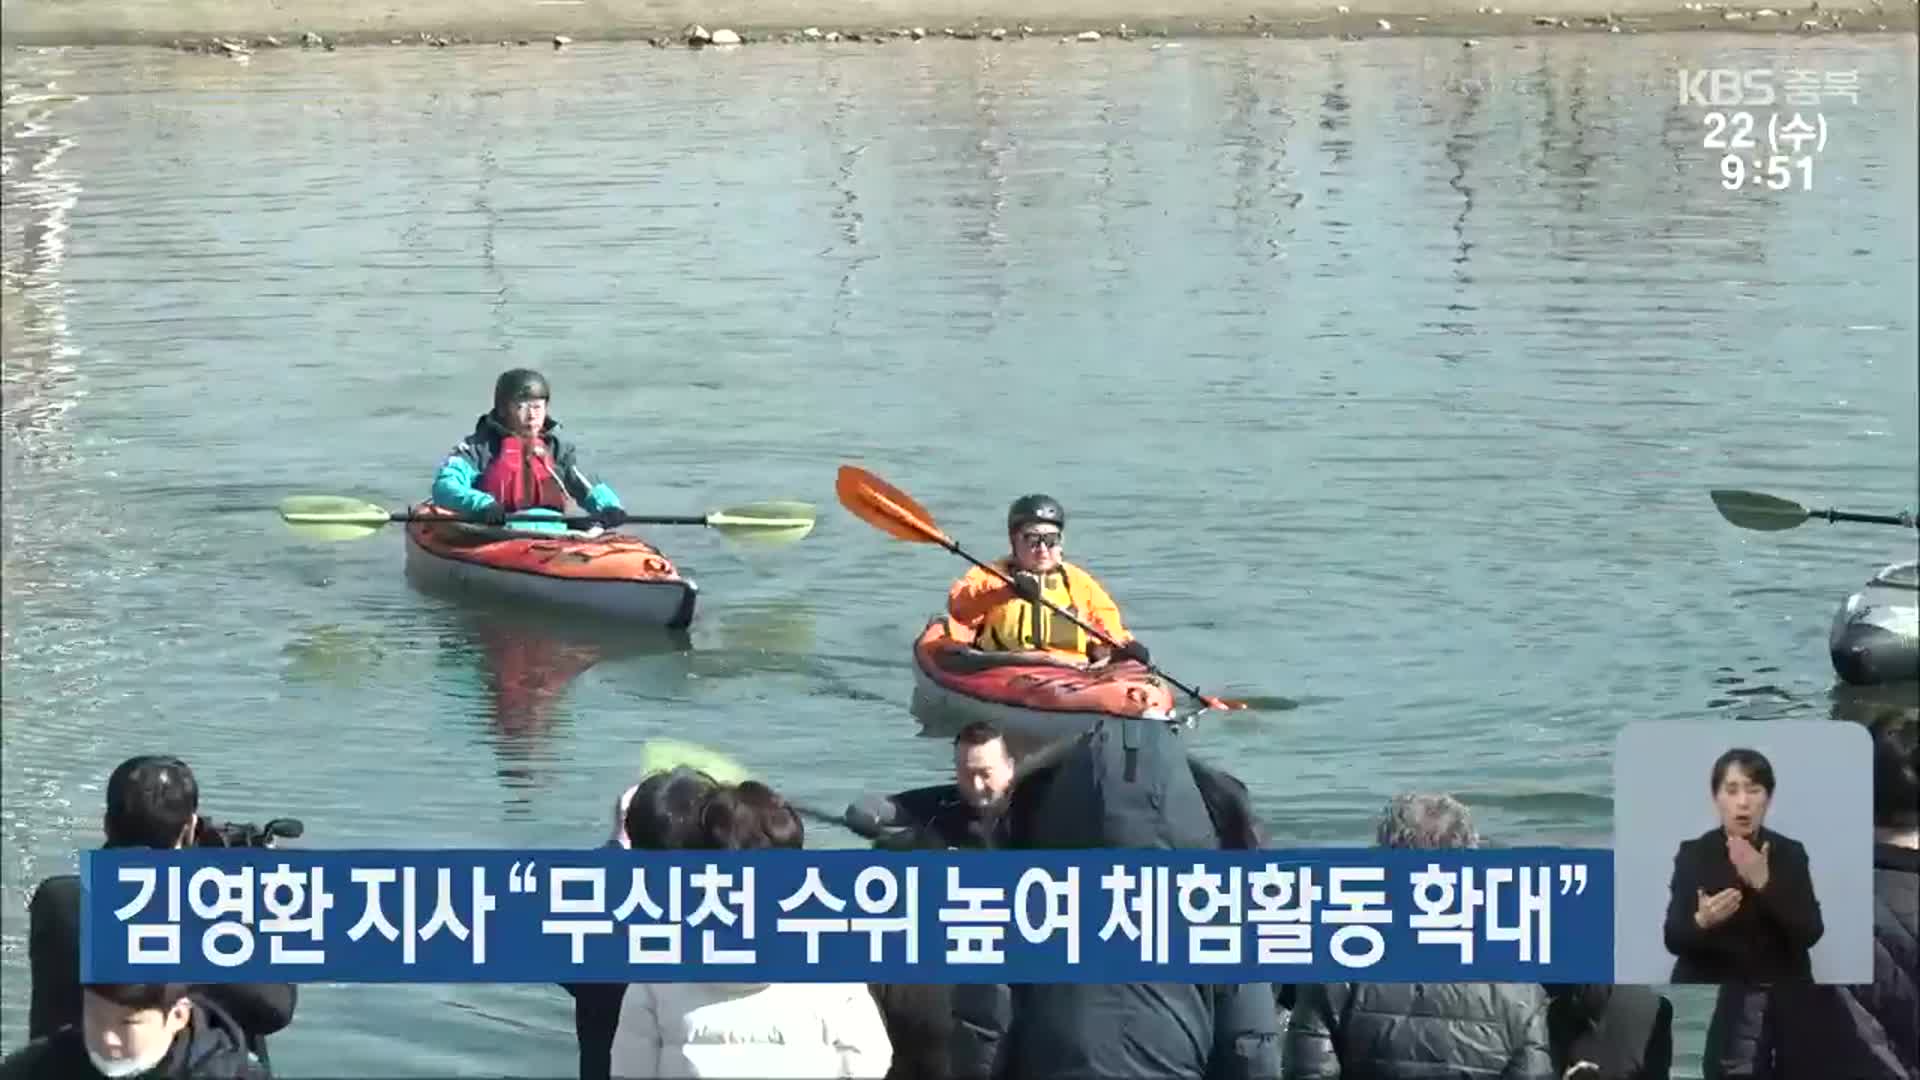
[950, 545]
[1831, 516]
[578, 522]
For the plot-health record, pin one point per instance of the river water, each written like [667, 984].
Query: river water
[1386, 378]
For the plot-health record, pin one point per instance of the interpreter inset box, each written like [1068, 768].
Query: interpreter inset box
[1743, 853]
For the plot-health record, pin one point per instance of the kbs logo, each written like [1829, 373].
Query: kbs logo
[1725, 88]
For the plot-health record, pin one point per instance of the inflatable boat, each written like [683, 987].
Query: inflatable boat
[1028, 700]
[1875, 638]
[612, 575]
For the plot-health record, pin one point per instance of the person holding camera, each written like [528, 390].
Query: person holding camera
[152, 801]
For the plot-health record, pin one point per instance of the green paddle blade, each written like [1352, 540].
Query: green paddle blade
[1752, 510]
[331, 517]
[764, 523]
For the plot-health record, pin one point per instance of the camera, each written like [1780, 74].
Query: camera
[239, 834]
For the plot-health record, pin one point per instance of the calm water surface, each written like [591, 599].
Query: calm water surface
[1386, 377]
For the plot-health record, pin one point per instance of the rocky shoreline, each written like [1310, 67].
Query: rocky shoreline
[237, 29]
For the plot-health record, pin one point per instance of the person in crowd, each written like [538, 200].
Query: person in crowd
[656, 814]
[1601, 1031]
[514, 462]
[152, 801]
[955, 815]
[1866, 1032]
[1125, 783]
[748, 1027]
[1400, 1031]
[1741, 905]
[986, 612]
[154, 1031]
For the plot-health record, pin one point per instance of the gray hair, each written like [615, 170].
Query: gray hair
[1414, 820]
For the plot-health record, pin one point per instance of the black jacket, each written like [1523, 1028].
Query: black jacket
[1868, 1032]
[1125, 784]
[53, 947]
[1429, 1031]
[211, 1048]
[1626, 1030]
[928, 817]
[1768, 938]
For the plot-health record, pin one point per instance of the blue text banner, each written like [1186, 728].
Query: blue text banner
[613, 915]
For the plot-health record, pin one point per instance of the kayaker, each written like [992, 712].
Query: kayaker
[514, 462]
[956, 815]
[986, 612]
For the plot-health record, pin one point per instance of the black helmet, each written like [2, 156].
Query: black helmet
[1032, 509]
[520, 384]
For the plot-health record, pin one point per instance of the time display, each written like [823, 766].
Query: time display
[1777, 172]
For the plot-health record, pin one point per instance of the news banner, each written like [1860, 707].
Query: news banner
[613, 915]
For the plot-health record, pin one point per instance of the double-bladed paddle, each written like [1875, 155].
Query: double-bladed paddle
[331, 517]
[1770, 513]
[894, 512]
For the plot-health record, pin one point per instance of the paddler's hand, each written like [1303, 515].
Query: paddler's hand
[611, 518]
[494, 513]
[1026, 587]
[1132, 650]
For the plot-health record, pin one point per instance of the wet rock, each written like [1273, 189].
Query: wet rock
[561, 41]
[811, 33]
[919, 33]
[724, 37]
[270, 41]
[967, 35]
[1026, 31]
[998, 33]
[1124, 32]
[1383, 24]
[310, 40]
[1089, 35]
[696, 35]
[1545, 20]
[232, 48]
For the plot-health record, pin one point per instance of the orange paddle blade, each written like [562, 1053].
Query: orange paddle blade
[885, 507]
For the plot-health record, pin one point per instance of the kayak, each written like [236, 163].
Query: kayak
[1040, 701]
[1875, 638]
[611, 574]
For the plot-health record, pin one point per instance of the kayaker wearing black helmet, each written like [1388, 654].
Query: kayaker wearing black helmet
[985, 611]
[513, 461]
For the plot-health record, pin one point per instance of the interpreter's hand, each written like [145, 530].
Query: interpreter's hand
[1026, 587]
[1750, 862]
[494, 513]
[1713, 910]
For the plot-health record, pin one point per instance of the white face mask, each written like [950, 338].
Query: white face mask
[116, 1069]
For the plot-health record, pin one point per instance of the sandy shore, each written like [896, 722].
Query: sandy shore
[194, 23]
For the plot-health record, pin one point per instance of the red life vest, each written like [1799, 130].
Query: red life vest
[521, 476]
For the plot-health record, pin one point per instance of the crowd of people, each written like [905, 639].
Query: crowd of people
[1087, 791]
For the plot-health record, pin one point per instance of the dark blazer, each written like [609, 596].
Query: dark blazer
[1768, 939]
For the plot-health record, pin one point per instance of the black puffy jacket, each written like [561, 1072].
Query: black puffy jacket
[1399, 1031]
[1867, 1032]
[212, 1047]
[1125, 784]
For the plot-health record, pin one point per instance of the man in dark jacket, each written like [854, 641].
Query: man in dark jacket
[1397, 1031]
[1615, 1032]
[152, 1031]
[1867, 1032]
[1124, 784]
[152, 801]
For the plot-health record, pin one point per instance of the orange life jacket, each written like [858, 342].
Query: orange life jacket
[521, 476]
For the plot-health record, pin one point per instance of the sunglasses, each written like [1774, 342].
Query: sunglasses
[1045, 539]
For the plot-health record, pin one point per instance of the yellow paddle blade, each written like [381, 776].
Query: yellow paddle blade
[332, 517]
[764, 523]
[662, 755]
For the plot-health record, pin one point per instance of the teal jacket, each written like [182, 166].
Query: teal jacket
[454, 488]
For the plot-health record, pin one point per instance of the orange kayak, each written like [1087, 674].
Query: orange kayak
[1037, 700]
[615, 575]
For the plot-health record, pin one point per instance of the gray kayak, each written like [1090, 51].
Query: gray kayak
[1875, 638]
